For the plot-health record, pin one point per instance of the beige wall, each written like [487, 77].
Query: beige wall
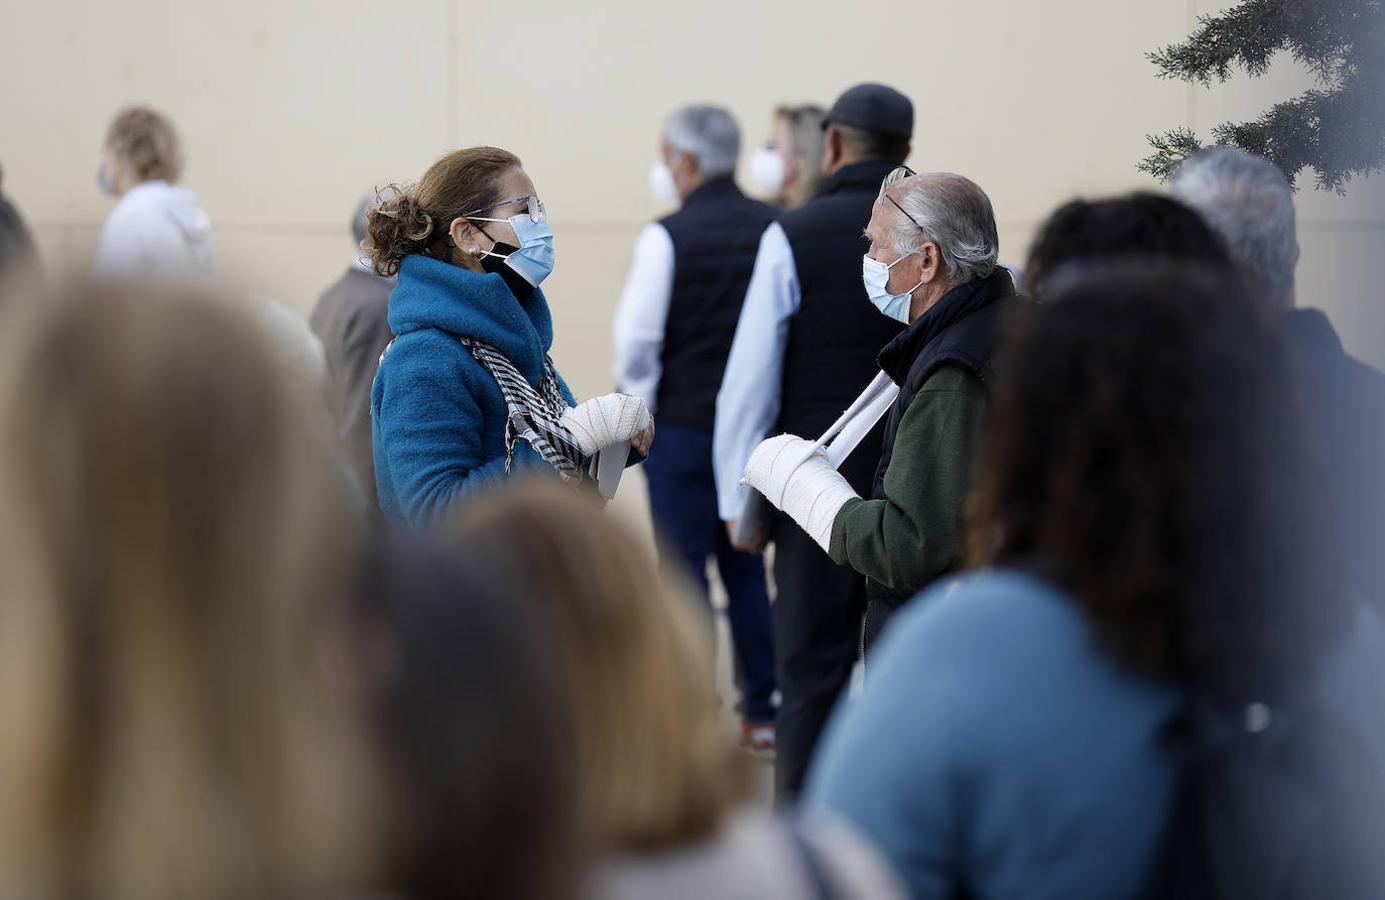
[290, 109]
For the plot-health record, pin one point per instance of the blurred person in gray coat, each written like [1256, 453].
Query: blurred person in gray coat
[350, 320]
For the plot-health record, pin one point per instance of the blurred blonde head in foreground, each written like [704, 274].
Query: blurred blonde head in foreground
[171, 535]
[656, 768]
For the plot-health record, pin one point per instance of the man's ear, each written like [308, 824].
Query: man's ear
[686, 167]
[930, 262]
[831, 149]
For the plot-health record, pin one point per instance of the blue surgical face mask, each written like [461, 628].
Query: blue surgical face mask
[533, 259]
[876, 276]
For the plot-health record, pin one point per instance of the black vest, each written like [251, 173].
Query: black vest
[962, 329]
[834, 339]
[715, 236]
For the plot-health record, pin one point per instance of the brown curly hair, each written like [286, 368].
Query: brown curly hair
[416, 219]
[1149, 451]
[145, 145]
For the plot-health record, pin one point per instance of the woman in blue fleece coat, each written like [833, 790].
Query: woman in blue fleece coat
[465, 394]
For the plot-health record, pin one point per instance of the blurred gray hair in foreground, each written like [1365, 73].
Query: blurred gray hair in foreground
[1247, 199]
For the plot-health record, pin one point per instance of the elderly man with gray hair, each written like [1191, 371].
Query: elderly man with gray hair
[1247, 199]
[932, 264]
[673, 333]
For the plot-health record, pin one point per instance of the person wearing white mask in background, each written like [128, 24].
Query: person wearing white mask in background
[157, 230]
[673, 332]
[788, 169]
[931, 265]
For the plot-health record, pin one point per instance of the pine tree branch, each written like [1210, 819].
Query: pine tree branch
[1340, 134]
[1170, 149]
[1338, 129]
[1320, 34]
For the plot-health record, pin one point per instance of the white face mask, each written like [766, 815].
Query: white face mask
[662, 185]
[767, 171]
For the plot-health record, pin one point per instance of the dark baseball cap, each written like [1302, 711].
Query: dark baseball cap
[875, 108]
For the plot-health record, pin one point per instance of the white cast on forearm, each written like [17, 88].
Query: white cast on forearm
[795, 476]
[606, 421]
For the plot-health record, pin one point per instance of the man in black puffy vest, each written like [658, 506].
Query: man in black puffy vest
[672, 334]
[932, 264]
[805, 347]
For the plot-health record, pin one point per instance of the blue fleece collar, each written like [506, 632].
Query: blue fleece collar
[435, 294]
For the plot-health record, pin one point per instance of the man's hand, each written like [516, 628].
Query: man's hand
[756, 542]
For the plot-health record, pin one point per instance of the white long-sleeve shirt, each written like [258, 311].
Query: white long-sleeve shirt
[642, 315]
[748, 402]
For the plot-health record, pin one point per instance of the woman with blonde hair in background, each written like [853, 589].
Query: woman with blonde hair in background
[157, 230]
[788, 169]
[664, 796]
[173, 545]
[466, 393]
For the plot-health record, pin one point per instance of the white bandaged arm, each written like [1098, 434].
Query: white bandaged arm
[606, 421]
[800, 477]
[797, 476]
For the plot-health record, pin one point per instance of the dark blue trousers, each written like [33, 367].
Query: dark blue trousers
[683, 500]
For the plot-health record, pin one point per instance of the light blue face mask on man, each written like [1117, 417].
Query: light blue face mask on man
[532, 260]
[876, 276]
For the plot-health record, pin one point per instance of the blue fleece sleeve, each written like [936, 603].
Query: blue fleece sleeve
[431, 431]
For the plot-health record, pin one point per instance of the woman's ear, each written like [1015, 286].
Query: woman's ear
[465, 237]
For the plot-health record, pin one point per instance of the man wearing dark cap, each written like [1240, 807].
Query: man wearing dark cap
[805, 347]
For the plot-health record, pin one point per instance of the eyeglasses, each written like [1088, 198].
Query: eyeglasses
[532, 204]
[898, 174]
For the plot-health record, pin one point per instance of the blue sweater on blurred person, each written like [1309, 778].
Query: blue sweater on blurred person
[997, 752]
[438, 417]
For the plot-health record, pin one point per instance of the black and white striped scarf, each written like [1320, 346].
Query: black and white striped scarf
[533, 414]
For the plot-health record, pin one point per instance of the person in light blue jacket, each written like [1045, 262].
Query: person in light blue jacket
[1154, 560]
[465, 394]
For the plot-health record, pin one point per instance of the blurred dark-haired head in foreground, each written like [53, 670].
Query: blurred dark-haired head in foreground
[1149, 450]
[172, 540]
[473, 723]
[1143, 226]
